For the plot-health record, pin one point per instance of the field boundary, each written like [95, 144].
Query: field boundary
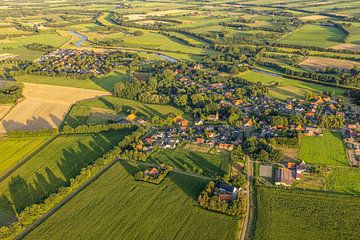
[28, 158]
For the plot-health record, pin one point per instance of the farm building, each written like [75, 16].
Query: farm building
[266, 171]
[283, 177]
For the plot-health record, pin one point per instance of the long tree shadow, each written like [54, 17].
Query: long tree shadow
[208, 167]
[131, 168]
[191, 186]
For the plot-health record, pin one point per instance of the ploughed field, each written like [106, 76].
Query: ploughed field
[116, 206]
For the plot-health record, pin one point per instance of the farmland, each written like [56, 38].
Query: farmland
[315, 35]
[53, 167]
[287, 87]
[328, 149]
[172, 205]
[45, 106]
[14, 150]
[80, 113]
[211, 164]
[314, 215]
[343, 180]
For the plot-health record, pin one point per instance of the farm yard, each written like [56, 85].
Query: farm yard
[328, 149]
[311, 214]
[172, 205]
[45, 106]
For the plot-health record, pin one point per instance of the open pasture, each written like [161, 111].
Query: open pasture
[210, 164]
[45, 106]
[328, 149]
[283, 88]
[115, 206]
[315, 35]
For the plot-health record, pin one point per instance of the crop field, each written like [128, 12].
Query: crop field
[14, 150]
[53, 167]
[315, 35]
[4, 109]
[328, 149]
[45, 106]
[287, 87]
[316, 63]
[343, 179]
[210, 164]
[114, 206]
[311, 215]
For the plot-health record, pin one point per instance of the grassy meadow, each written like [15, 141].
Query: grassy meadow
[288, 88]
[103, 82]
[327, 150]
[210, 164]
[53, 167]
[115, 206]
[311, 215]
[343, 179]
[315, 35]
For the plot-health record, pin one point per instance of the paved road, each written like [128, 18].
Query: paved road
[246, 223]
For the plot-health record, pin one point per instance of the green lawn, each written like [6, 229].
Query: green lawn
[328, 149]
[117, 207]
[211, 164]
[315, 35]
[344, 179]
[53, 167]
[288, 88]
[281, 214]
[103, 82]
[14, 150]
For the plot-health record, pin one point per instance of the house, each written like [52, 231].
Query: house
[283, 177]
[199, 122]
[199, 141]
[225, 146]
[131, 117]
[300, 169]
[213, 117]
[238, 102]
[210, 134]
[248, 122]
[311, 131]
[225, 197]
[152, 172]
[310, 114]
[223, 187]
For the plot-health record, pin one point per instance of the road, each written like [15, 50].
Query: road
[246, 223]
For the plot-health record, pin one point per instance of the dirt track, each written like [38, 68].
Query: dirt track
[44, 106]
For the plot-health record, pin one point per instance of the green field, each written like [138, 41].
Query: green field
[288, 88]
[104, 82]
[53, 167]
[14, 150]
[328, 149]
[115, 206]
[315, 35]
[343, 179]
[211, 164]
[282, 214]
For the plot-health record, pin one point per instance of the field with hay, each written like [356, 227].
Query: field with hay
[115, 205]
[328, 149]
[53, 167]
[319, 63]
[312, 215]
[45, 106]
